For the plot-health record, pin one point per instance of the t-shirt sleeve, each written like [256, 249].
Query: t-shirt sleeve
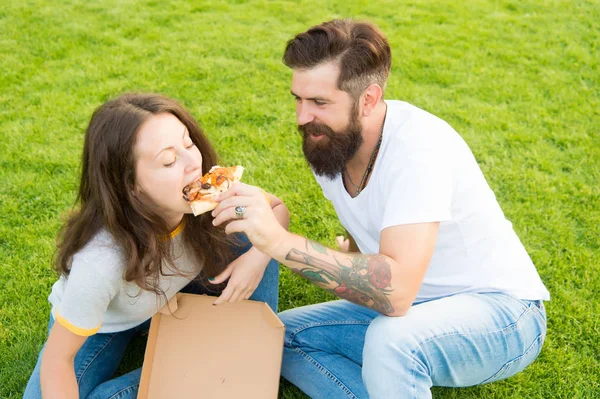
[420, 190]
[88, 292]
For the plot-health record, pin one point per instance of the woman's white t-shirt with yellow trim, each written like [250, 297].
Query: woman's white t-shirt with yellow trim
[95, 298]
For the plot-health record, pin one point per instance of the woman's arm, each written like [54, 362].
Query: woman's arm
[57, 374]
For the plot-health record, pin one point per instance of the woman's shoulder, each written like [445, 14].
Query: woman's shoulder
[102, 254]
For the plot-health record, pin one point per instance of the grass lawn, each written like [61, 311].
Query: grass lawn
[518, 79]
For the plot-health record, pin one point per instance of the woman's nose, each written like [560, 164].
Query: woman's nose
[193, 163]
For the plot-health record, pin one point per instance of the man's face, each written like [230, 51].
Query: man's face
[328, 119]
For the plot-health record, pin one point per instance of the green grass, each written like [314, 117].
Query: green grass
[518, 79]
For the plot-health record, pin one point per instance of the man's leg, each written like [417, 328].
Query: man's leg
[323, 347]
[457, 341]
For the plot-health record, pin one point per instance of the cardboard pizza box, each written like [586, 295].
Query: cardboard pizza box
[198, 350]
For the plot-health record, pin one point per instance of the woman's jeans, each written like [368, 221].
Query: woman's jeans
[342, 350]
[100, 356]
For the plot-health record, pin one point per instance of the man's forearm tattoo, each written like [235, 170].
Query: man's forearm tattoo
[365, 282]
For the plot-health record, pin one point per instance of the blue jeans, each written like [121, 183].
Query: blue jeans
[100, 356]
[342, 350]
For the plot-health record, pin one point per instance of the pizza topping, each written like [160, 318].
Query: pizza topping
[190, 193]
[217, 180]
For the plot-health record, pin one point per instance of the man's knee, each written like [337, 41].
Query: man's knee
[390, 346]
[296, 322]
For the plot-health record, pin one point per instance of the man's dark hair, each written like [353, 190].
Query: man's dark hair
[360, 50]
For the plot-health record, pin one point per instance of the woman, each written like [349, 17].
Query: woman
[132, 244]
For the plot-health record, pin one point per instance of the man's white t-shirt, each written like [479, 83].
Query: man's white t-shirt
[425, 172]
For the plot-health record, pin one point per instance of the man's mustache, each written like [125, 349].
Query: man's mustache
[315, 128]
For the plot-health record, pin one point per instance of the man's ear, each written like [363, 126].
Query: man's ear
[370, 98]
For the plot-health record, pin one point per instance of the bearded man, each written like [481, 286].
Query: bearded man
[436, 287]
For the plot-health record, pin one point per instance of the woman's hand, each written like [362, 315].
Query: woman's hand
[244, 273]
[246, 209]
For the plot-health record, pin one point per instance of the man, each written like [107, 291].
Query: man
[442, 292]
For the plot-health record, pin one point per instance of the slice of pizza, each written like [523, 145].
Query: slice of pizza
[199, 194]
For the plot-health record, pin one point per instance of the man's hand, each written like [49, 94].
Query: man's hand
[343, 243]
[257, 218]
[347, 244]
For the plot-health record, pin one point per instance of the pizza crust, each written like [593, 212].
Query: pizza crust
[203, 206]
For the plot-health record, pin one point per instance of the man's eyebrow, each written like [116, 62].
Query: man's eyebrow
[310, 98]
[171, 147]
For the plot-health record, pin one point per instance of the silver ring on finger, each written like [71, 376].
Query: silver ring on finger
[240, 211]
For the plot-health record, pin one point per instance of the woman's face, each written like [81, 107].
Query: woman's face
[166, 161]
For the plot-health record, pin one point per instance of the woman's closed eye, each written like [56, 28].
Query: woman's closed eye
[167, 165]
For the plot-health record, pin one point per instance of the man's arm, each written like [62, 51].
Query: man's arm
[282, 214]
[387, 282]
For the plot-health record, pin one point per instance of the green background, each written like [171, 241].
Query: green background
[518, 80]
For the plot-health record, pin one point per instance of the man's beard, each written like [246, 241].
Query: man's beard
[329, 155]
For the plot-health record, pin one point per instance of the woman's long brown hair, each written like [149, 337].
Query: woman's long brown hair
[106, 197]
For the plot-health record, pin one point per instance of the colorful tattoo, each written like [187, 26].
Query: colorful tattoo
[365, 282]
[316, 246]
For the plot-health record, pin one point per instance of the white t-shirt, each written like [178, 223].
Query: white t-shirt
[96, 298]
[425, 172]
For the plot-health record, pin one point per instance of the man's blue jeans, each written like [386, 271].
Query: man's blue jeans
[100, 356]
[342, 350]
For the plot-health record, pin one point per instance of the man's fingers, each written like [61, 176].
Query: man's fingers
[343, 243]
[228, 215]
[239, 189]
[232, 202]
[235, 227]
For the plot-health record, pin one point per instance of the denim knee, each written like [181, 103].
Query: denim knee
[390, 351]
[268, 288]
